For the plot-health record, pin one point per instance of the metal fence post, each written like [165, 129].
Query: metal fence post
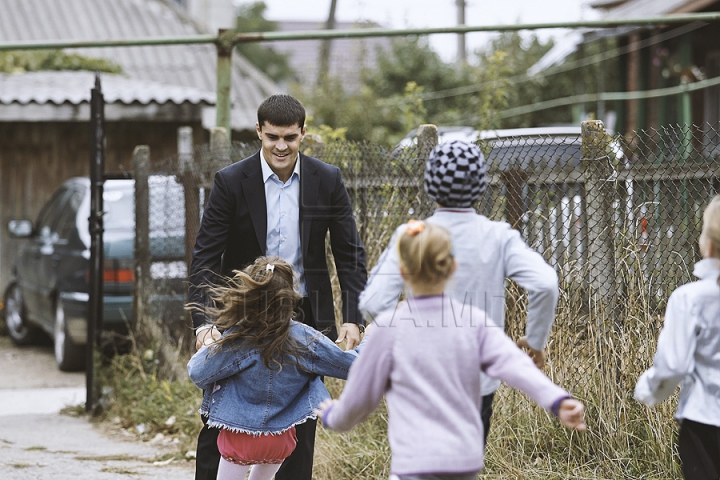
[600, 182]
[96, 223]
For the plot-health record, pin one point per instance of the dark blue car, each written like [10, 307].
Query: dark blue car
[49, 289]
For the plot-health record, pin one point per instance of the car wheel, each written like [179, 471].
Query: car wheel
[68, 355]
[20, 331]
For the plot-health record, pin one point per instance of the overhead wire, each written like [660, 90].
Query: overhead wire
[565, 67]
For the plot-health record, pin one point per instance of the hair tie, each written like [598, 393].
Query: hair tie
[414, 227]
[269, 267]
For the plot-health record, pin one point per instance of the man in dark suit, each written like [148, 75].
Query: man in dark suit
[280, 202]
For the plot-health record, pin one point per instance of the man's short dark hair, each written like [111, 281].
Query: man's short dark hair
[281, 111]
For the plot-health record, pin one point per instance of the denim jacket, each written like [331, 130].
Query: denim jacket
[242, 395]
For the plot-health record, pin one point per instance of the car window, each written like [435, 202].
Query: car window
[66, 221]
[50, 212]
[119, 206]
[504, 156]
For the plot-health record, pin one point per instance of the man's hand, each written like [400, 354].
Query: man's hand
[207, 337]
[350, 333]
[572, 414]
[538, 356]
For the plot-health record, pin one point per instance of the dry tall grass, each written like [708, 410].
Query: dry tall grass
[596, 355]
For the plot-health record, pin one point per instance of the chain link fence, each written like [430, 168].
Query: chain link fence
[618, 217]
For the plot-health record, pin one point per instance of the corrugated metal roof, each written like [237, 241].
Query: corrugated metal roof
[192, 66]
[74, 88]
[651, 8]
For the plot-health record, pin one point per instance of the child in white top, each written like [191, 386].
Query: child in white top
[426, 362]
[688, 354]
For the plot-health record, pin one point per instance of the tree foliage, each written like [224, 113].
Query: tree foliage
[410, 84]
[275, 65]
[31, 61]
[390, 101]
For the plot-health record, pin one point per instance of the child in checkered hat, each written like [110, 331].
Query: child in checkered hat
[487, 252]
[425, 357]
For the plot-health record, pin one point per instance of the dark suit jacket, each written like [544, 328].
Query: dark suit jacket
[233, 234]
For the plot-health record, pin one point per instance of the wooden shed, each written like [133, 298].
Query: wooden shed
[44, 116]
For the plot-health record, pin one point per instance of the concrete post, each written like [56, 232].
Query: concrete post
[427, 139]
[141, 307]
[600, 186]
[191, 187]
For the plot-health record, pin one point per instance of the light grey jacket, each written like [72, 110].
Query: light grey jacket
[688, 351]
[487, 252]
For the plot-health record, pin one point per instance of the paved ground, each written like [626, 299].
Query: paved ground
[38, 443]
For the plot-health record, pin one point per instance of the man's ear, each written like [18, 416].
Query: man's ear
[258, 129]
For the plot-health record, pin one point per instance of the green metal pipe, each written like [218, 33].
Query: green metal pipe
[223, 103]
[382, 32]
[610, 96]
[136, 42]
[358, 33]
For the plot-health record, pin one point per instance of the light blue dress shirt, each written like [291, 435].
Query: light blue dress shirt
[283, 218]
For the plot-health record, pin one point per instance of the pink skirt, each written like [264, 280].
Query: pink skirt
[245, 449]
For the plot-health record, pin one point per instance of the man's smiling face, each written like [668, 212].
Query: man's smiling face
[280, 147]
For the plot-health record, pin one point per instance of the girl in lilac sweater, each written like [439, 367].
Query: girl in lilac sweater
[424, 357]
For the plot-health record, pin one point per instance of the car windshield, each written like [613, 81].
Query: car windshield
[119, 206]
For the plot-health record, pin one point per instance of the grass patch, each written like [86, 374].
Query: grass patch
[36, 448]
[106, 458]
[73, 410]
[21, 465]
[118, 470]
[136, 398]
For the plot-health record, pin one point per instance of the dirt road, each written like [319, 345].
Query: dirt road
[36, 442]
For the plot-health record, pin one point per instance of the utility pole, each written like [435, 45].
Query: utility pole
[324, 66]
[461, 57]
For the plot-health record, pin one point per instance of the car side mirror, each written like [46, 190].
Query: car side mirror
[20, 228]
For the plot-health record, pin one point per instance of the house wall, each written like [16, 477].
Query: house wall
[36, 158]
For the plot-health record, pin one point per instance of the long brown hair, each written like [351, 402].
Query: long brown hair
[256, 304]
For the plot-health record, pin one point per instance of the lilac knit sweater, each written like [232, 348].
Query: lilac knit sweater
[425, 357]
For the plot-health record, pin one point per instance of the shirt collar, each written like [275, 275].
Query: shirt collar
[455, 209]
[267, 171]
[707, 268]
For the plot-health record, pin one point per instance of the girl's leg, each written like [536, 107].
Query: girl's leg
[699, 449]
[264, 472]
[231, 471]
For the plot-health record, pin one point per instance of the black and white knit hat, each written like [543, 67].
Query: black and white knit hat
[455, 174]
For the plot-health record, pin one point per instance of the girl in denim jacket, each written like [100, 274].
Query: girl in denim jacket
[262, 377]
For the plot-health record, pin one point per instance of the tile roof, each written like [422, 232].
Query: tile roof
[191, 66]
